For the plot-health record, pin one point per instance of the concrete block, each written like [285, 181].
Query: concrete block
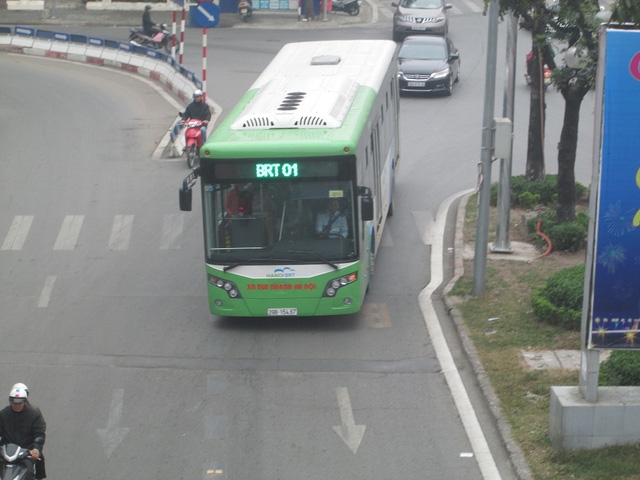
[631, 426]
[25, 4]
[25, 42]
[76, 49]
[614, 419]
[608, 421]
[59, 47]
[109, 55]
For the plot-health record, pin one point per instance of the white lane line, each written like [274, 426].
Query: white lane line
[45, 295]
[172, 228]
[121, 232]
[68, 236]
[17, 232]
[465, 409]
[474, 7]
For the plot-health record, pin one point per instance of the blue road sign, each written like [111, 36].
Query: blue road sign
[206, 14]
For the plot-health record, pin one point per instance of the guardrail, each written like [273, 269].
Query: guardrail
[155, 64]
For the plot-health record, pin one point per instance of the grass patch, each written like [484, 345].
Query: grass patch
[525, 394]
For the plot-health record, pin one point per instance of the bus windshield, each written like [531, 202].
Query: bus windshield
[304, 220]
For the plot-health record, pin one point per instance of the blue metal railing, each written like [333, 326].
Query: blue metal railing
[100, 42]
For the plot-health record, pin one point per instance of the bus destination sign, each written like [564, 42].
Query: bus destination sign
[275, 169]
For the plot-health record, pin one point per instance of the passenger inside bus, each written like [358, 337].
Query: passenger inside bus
[231, 200]
[331, 223]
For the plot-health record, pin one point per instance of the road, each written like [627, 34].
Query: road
[105, 304]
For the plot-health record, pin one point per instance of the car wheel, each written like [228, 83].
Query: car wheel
[397, 37]
[449, 89]
[457, 75]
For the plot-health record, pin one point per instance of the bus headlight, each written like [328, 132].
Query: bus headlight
[334, 285]
[226, 285]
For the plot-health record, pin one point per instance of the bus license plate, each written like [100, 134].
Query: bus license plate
[282, 312]
[416, 84]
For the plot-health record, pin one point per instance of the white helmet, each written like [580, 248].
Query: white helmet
[197, 93]
[19, 393]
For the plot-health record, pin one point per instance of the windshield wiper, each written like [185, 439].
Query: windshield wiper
[254, 260]
[305, 252]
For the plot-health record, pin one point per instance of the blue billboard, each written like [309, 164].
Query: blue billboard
[615, 294]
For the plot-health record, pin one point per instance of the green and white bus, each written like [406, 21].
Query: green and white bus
[318, 127]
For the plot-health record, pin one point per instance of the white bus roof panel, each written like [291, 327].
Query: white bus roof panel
[312, 84]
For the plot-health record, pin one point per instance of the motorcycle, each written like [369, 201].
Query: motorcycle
[245, 9]
[193, 139]
[160, 40]
[546, 75]
[352, 7]
[12, 464]
[546, 72]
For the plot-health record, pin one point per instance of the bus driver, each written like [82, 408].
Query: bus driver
[332, 223]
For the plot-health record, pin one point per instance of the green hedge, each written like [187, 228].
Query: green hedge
[559, 301]
[527, 194]
[621, 369]
[565, 237]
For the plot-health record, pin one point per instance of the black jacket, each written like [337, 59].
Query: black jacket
[23, 428]
[147, 24]
[197, 110]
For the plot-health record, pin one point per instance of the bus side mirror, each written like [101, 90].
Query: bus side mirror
[185, 191]
[185, 199]
[367, 208]
[366, 203]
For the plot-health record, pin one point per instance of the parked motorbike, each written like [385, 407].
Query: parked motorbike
[245, 9]
[193, 139]
[12, 463]
[352, 7]
[160, 40]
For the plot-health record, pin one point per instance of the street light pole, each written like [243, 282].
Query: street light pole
[502, 243]
[486, 155]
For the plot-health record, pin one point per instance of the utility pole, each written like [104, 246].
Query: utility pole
[502, 243]
[486, 155]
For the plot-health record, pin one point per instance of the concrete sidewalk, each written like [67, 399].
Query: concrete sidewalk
[75, 13]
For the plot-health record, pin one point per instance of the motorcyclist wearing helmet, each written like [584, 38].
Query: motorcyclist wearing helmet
[199, 110]
[148, 26]
[22, 424]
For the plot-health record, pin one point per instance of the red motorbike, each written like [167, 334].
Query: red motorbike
[193, 139]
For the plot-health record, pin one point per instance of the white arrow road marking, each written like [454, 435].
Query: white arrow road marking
[349, 432]
[113, 434]
[203, 11]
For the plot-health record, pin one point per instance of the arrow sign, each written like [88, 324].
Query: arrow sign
[349, 432]
[113, 434]
[206, 14]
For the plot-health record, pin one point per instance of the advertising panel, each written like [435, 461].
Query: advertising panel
[615, 297]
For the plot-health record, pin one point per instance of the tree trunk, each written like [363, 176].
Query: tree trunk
[573, 94]
[535, 146]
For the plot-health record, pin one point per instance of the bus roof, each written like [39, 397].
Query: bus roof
[308, 86]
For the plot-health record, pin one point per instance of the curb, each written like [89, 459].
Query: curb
[515, 452]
